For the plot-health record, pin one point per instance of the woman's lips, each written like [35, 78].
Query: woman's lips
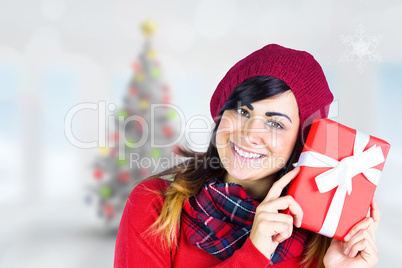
[242, 158]
[241, 148]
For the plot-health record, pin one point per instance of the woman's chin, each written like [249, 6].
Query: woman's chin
[243, 175]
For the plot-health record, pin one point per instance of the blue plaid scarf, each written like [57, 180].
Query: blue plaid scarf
[219, 219]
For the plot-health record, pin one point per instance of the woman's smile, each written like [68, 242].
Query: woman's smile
[245, 155]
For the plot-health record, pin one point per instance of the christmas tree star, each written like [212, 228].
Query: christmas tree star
[148, 28]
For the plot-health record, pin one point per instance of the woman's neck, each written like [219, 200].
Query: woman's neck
[256, 189]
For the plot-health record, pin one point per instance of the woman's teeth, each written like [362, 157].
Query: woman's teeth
[246, 154]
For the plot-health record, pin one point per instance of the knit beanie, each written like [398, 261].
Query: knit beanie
[298, 69]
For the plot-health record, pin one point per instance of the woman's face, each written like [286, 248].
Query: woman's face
[255, 141]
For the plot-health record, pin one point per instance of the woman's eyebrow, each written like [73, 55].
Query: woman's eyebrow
[276, 113]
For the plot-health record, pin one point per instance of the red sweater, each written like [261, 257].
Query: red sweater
[136, 248]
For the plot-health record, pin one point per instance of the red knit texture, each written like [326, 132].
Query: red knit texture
[298, 69]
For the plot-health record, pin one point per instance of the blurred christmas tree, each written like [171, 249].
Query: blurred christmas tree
[131, 154]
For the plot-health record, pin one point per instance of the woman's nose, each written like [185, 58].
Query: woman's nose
[254, 131]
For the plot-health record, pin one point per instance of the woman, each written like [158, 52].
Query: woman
[223, 208]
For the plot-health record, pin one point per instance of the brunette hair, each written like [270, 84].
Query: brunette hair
[199, 168]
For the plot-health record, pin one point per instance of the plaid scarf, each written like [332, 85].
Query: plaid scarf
[219, 219]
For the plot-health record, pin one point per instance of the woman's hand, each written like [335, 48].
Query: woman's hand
[271, 227]
[359, 249]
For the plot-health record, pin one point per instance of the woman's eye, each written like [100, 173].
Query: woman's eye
[274, 124]
[242, 112]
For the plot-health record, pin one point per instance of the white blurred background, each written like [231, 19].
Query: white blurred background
[55, 54]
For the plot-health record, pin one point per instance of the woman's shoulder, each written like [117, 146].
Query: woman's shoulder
[154, 184]
[148, 191]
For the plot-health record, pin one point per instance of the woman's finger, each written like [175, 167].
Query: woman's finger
[375, 213]
[283, 231]
[278, 217]
[264, 232]
[363, 234]
[273, 229]
[363, 225]
[364, 247]
[279, 238]
[279, 185]
[269, 222]
[282, 203]
[362, 243]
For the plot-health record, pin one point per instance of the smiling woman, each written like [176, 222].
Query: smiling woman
[223, 207]
[255, 140]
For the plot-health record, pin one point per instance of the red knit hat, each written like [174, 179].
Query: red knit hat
[298, 69]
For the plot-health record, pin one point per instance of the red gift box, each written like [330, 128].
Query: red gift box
[340, 169]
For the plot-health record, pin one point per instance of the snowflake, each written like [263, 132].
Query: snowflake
[361, 48]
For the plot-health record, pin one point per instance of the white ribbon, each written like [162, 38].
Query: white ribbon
[341, 175]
